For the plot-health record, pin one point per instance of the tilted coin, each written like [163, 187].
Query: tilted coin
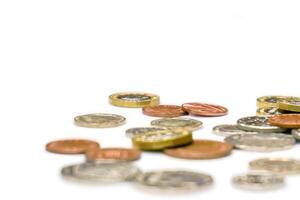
[138, 131]
[258, 124]
[291, 104]
[285, 120]
[162, 140]
[229, 129]
[283, 166]
[71, 146]
[99, 120]
[123, 154]
[164, 111]
[296, 133]
[270, 101]
[204, 109]
[262, 142]
[266, 112]
[179, 123]
[133, 99]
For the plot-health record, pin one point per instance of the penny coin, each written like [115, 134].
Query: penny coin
[258, 124]
[133, 132]
[71, 146]
[123, 154]
[99, 120]
[267, 112]
[262, 142]
[283, 166]
[292, 104]
[229, 129]
[270, 101]
[204, 109]
[296, 133]
[201, 149]
[133, 99]
[285, 120]
[179, 123]
[164, 111]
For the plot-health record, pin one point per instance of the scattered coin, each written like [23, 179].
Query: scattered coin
[71, 146]
[179, 123]
[270, 101]
[292, 104]
[164, 111]
[99, 120]
[267, 112]
[138, 131]
[285, 120]
[133, 99]
[296, 133]
[229, 129]
[123, 154]
[204, 109]
[201, 149]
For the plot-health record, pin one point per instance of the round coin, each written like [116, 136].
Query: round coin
[164, 111]
[99, 120]
[138, 131]
[229, 129]
[133, 99]
[204, 109]
[267, 112]
[291, 104]
[296, 133]
[71, 146]
[285, 120]
[122, 154]
[270, 101]
[177, 123]
[201, 149]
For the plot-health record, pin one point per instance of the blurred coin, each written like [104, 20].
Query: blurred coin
[292, 104]
[133, 99]
[99, 120]
[138, 131]
[123, 154]
[179, 123]
[72, 146]
[266, 112]
[285, 120]
[229, 129]
[296, 133]
[164, 111]
[204, 109]
[270, 101]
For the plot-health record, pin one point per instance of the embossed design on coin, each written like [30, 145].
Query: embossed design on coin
[296, 133]
[285, 120]
[99, 120]
[267, 112]
[204, 109]
[270, 101]
[73, 146]
[123, 154]
[138, 131]
[164, 111]
[229, 129]
[178, 123]
[133, 99]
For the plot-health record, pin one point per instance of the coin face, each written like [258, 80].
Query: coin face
[262, 142]
[270, 101]
[138, 131]
[292, 104]
[296, 133]
[133, 99]
[99, 120]
[179, 123]
[201, 149]
[74, 146]
[164, 111]
[283, 166]
[204, 109]
[285, 120]
[267, 112]
[122, 154]
[229, 129]
[258, 124]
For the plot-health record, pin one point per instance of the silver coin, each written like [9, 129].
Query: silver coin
[229, 129]
[267, 112]
[180, 123]
[134, 97]
[296, 133]
[262, 142]
[258, 124]
[139, 131]
[99, 120]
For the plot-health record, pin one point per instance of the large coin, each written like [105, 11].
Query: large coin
[138, 131]
[292, 104]
[164, 111]
[99, 120]
[177, 123]
[296, 133]
[133, 99]
[204, 109]
[285, 120]
[262, 142]
[229, 129]
[72, 146]
[267, 112]
[270, 101]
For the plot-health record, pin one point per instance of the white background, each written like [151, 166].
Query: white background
[62, 58]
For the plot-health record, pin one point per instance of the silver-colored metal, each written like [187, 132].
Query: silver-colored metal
[262, 142]
[258, 124]
[139, 131]
[267, 112]
[180, 123]
[99, 120]
[229, 129]
[134, 97]
[296, 133]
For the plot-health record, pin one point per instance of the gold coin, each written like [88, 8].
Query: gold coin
[292, 104]
[99, 120]
[266, 112]
[133, 99]
[270, 101]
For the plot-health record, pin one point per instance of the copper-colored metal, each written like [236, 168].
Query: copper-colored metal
[285, 120]
[201, 149]
[164, 111]
[123, 154]
[71, 146]
[204, 109]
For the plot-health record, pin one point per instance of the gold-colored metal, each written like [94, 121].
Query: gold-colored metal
[266, 112]
[133, 99]
[292, 104]
[270, 101]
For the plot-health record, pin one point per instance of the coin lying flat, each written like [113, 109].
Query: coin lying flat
[292, 104]
[164, 111]
[175, 180]
[122, 154]
[179, 123]
[162, 140]
[258, 124]
[138, 131]
[201, 149]
[99, 120]
[229, 129]
[133, 99]
[296, 133]
[281, 166]
[204, 109]
[267, 112]
[71, 146]
[285, 120]
[262, 142]
[270, 101]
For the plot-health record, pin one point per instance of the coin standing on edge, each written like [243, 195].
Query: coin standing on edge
[229, 129]
[133, 99]
[138, 131]
[164, 111]
[285, 120]
[296, 133]
[71, 146]
[204, 109]
[99, 120]
[180, 123]
[122, 154]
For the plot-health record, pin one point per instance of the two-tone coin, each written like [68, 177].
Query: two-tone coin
[164, 111]
[285, 120]
[204, 109]
[291, 104]
[180, 123]
[71, 146]
[122, 154]
[267, 112]
[296, 133]
[133, 99]
[99, 120]
[138, 131]
[229, 129]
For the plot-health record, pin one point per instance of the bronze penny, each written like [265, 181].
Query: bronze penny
[204, 109]
[123, 154]
[201, 149]
[285, 120]
[71, 146]
[164, 111]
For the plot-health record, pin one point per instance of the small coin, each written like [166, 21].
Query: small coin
[204, 109]
[122, 154]
[296, 133]
[179, 123]
[282, 166]
[229, 129]
[201, 149]
[99, 120]
[267, 112]
[138, 131]
[133, 99]
[285, 120]
[74, 146]
[262, 142]
[164, 111]
[291, 104]
[258, 124]
[270, 101]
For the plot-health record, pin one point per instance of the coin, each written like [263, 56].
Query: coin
[204, 109]
[164, 111]
[283, 166]
[74, 146]
[133, 99]
[229, 129]
[296, 133]
[162, 140]
[99, 120]
[270, 101]
[201, 149]
[179, 123]
[123, 154]
[175, 180]
[138, 131]
[266, 112]
[291, 104]
[263, 142]
[258, 124]
[285, 120]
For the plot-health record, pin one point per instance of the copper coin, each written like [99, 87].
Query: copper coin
[204, 109]
[71, 146]
[164, 111]
[201, 149]
[285, 120]
[123, 154]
